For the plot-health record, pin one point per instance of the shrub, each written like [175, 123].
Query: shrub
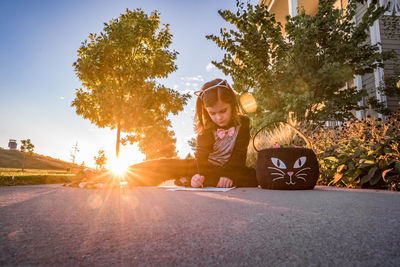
[360, 153]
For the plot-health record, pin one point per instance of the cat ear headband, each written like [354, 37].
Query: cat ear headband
[222, 83]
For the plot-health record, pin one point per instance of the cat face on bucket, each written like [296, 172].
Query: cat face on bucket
[287, 168]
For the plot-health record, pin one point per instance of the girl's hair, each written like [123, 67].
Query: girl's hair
[210, 93]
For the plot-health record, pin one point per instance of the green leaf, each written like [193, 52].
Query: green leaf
[369, 162]
[397, 167]
[365, 179]
[371, 172]
[351, 166]
[331, 158]
[357, 173]
[374, 180]
[341, 167]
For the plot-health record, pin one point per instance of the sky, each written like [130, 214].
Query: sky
[39, 43]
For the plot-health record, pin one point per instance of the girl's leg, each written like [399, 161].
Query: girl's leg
[211, 180]
[192, 170]
[154, 172]
[246, 178]
[243, 177]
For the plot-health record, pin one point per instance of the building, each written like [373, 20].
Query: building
[282, 8]
[12, 144]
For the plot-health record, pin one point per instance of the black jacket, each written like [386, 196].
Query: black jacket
[205, 143]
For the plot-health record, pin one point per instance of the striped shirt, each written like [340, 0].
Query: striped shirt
[223, 148]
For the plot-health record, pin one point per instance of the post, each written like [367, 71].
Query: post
[378, 72]
[360, 114]
[292, 7]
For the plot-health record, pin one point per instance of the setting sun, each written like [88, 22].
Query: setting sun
[127, 157]
[118, 166]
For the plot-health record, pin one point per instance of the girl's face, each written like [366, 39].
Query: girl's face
[220, 113]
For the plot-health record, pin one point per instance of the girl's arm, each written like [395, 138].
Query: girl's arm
[204, 146]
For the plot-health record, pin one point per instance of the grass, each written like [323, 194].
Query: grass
[10, 176]
[39, 169]
[15, 159]
[31, 172]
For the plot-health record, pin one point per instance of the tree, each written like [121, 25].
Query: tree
[158, 143]
[305, 69]
[73, 152]
[154, 142]
[26, 147]
[118, 69]
[100, 160]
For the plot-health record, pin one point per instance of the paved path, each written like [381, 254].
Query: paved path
[54, 225]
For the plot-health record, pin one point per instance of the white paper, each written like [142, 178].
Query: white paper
[201, 189]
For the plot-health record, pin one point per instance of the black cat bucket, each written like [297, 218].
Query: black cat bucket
[287, 168]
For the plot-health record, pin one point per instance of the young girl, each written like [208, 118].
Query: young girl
[223, 137]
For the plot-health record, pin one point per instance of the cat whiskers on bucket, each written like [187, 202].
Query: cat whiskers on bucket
[302, 178]
[282, 174]
[277, 178]
[299, 175]
[273, 168]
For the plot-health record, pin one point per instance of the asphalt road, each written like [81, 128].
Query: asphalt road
[55, 225]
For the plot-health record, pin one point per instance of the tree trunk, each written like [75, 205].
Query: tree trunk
[118, 140]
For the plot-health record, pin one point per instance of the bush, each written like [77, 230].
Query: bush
[360, 153]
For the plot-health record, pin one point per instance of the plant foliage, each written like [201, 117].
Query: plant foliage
[26, 147]
[119, 69]
[100, 159]
[360, 153]
[303, 67]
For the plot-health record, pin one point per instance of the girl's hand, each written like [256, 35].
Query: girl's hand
[224, 182]
[197, 180]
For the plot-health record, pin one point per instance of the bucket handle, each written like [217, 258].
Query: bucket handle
[291, 126]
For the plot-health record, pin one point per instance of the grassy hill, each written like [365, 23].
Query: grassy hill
[13, 159]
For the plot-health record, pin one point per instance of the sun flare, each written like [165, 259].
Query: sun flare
[118, 166]
[248, 102]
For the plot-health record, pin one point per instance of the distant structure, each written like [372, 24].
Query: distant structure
[12, 144]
